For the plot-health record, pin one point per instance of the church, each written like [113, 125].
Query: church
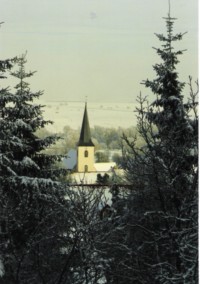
[81, 161]
[85, 147]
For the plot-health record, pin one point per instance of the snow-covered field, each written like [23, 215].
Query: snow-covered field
[101, 114]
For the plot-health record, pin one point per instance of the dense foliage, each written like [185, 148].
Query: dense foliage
[31, 198]
[161, 223]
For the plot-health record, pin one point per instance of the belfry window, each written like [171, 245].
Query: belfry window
[86, 153]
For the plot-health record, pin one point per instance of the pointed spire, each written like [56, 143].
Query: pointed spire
[85, 136]
[169, 4]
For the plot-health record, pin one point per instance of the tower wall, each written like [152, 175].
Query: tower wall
[85, 159]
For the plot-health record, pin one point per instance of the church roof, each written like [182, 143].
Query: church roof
[85, 136]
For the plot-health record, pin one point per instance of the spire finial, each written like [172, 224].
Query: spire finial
[169, 4]
[86, 100]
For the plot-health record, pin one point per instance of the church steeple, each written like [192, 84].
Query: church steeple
[85, 136]
[85, 149]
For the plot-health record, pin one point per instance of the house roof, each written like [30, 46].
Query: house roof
[70, 161]
[85, 136]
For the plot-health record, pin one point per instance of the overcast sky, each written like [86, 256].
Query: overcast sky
[101, 49]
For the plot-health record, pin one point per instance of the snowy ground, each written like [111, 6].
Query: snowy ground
[101, 114]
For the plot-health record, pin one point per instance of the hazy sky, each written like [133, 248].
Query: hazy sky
[96, 48]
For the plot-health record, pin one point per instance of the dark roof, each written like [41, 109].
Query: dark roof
[85, 136]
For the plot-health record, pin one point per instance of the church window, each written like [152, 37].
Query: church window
[86, 168]
[86, 154]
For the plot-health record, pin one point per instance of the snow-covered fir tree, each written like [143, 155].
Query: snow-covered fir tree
[160, 220]
[32, 199]
[5, 66]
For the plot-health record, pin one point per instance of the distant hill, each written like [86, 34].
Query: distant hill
[102, 114]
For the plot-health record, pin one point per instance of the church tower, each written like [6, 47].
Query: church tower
[85, 151]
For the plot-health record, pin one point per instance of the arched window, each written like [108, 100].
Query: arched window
[86, 168]
[86, 154]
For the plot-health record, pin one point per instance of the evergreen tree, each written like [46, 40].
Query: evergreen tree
[161, 211]
[5, 66]
[32, 199]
